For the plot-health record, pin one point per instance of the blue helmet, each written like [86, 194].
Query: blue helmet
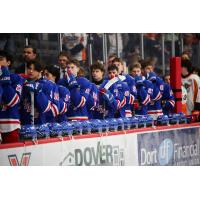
[151, 76]
[28, 132]
[67, 128]
[162, 120]
[42, 131]
[120, 123]
[149, 120]
[134, 121]
[105, 125]
[138, 80]
[96, 125]
[87, 126]
[55, 129]
[78, 127]
[127, 123]
[113, 124]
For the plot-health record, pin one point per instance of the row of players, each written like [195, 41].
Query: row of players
[41, 96]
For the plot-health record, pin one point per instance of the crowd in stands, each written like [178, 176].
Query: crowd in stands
[37, 93]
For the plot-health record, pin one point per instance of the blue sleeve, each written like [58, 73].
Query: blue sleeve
[143, 96]
[92, 99]
[12, 92]
[80, 95]
[168, 97]
[64, 99]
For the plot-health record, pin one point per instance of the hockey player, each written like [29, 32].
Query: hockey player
[120, 91]
[52, 73]
[38, 97]
[79, 88]
[97, 72]
[10, 93]
[129, 81]
[142, 98]
[106, 105]
[154, 107]
[168, 100]
[135, 71]
[192, 84]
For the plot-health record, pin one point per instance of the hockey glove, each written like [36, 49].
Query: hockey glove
[107, 95]
[4, 76]
[138, 81]
[72, 83]
[33, 86]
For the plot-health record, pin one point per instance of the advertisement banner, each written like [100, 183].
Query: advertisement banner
[170, 147]
[112, 150]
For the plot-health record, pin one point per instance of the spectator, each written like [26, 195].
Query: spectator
[111, 58]
[10, 92]
[75, 44]
[112, 43]
[63, 60]
[29, 54]
[191, 47]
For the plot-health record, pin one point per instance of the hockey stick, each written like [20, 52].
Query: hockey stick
[32, 107]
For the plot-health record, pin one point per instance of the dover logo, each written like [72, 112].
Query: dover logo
[24, 159]
[96, 155]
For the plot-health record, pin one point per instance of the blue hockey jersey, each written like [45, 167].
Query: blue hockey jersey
[92, 101]
[79, 94]
[108, 104]
[64, 99]
[9, 104]
[43, 102]
[168, 100]
[154, 107]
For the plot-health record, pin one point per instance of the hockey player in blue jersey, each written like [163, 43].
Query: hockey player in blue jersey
[154, 107]
[120, 91]
[52, 73]
[106, 105]
[79, 88]
[10, 92]
[142, 98]
[168, 100]
[130, 82]
[37, 97]
[136, 69]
